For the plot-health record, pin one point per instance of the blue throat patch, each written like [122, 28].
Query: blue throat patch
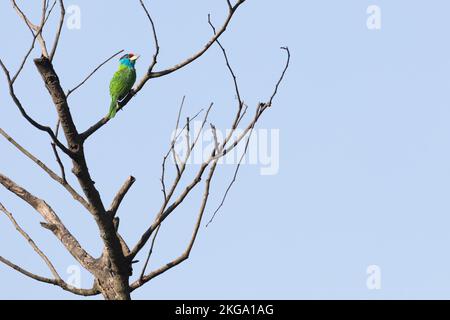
[127, 63]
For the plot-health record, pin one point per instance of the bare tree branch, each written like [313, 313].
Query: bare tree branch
[261, 108]
[236, 171]
[286, 67]
[144, 279]
[52, 174]
[155, 38]
[216, 141]
[58, 32]
[57, 157]
[27, 117]
[164, 210]
[172, 146]
[197, 55]
[25, 272]
[23, 16]
[57, 282]
[175, 156]
[52, 220]
[61, 165]
[123, 243]
[30, 241]
[162, 215]
[251, 130]
[37, 29]
[120, 195]
[151, 75]
[93, 72]
[35, 35]
[149, 253]
[230, 69]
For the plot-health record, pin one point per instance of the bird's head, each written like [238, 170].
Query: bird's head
[129, 59]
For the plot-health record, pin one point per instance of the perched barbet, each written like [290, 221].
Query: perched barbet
[122, 81]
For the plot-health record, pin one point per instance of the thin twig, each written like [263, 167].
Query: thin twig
[233, 180]
[61, 165]
[149, 253]
[239, 114]
[188, 138]
[230, 69]
[93, 72]
[120, 195]
[216, 141]
[175, 156]
[30, 241]
[155, 38]
[282, 75]
[260, 110]
[205, 48]
[33, 27]
[24, 60]
[55, 151]
[58, 32]
[172, 145]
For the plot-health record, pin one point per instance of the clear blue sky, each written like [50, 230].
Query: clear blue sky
[364, 176]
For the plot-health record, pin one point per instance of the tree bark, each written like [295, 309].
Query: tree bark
[112, 285]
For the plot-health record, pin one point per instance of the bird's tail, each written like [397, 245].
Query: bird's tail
[112, 109]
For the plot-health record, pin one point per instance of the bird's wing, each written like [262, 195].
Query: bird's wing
[122, 82]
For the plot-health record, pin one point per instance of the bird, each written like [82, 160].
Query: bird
[122, 81]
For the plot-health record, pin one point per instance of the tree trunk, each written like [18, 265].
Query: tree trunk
[114, 286]
[113, 274]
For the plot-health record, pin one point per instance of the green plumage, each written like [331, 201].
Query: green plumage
[120, 85]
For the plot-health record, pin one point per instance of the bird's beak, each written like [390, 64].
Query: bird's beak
[135, 57]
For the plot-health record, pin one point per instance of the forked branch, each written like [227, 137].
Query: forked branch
[166, 210]
[156, 74]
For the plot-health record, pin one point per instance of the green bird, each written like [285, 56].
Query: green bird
[122, 81]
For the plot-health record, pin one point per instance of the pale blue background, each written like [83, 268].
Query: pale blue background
[364, 161]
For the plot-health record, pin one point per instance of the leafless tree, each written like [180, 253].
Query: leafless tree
[113, 270]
